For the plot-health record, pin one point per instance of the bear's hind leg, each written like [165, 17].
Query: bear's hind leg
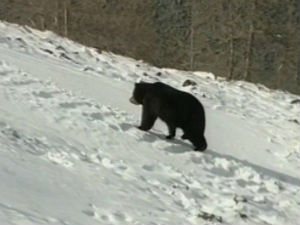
[172, 131]
[184, 136]
[198, 140]
[199, 143]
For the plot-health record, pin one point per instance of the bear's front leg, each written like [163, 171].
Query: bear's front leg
[172, 131]
[148, 118]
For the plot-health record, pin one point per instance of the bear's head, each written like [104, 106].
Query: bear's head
[139, 92]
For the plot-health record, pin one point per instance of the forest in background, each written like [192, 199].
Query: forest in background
[251, 40]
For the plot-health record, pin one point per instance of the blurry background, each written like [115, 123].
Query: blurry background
[251, 40]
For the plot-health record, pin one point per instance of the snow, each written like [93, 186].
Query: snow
[70, 152]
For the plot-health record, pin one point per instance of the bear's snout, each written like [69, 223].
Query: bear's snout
[133, 101]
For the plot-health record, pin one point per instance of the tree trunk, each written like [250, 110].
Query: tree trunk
[192, 38]
[298, 74]
[248, 54]
[65, 20]
[56, 15]
[231, 46]
[192, 50]
[247, 75]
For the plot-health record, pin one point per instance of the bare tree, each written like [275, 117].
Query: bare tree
[250, 38]
[66, 18]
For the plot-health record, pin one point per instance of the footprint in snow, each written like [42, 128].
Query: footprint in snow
[100, 215]
[126, 126]
[44, 94]
[94, 116]
[23, 82]
[72, 105]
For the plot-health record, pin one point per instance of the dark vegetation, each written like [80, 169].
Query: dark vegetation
[251, 40]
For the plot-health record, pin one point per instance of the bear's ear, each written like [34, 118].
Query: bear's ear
[139, 82]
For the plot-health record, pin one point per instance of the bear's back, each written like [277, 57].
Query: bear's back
[174, 95]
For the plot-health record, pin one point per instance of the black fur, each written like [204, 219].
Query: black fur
[177, 108]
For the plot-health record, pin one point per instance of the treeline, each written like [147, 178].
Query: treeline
[250, 40]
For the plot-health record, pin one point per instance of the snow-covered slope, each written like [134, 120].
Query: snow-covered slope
[70, 152]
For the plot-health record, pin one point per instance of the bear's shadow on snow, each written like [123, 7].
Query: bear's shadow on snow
[179, 146]
[260, 169]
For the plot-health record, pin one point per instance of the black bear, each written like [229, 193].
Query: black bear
[177, 108]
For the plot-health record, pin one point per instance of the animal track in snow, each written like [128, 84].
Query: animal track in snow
[104, 215]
